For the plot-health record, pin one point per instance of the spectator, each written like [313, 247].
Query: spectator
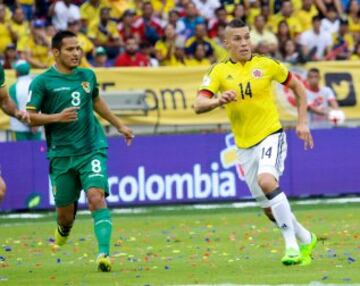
[207, 8]
[289, 53]
[165, 47]
[86, 45]
[174, 19]
[104, 33]
[331, 23]
[283, 33]
[200, 37]
[149, 26]
[101, 58]
[321, 99]
[7, 36]
[199, 58]
[10, 57]
[90, 11]
[220, 19]
[315, 44]
[28, 6]
[19, 94]
[263, 49]
[190, 21]
[162, 7]
[131, 57]
[61, 11]
[286, 14]
[252, 11]
[305, 15]
[259, 34]
[19, 25]
[126, 26]
[354, 19]
[356, 54]
[35, 49]
[343, 43]
[218, 44]
[239, 12]
[325, 5]
[149, 51]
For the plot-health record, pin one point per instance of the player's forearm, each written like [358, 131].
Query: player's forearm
[38, 119]
[301, 99]
[9, 106]
[203, 104]
[103, 110]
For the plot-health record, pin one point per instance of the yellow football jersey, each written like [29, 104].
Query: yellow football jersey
[254, 115]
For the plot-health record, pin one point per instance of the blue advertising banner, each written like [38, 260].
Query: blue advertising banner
[169, 169]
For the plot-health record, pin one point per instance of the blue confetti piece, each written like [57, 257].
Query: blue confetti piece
[7, 248]
[324, 277]
[2, 258]
[351, 260]
[58, 260]
[167, 267]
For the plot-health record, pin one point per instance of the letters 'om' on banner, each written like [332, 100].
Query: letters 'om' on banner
[172, 91]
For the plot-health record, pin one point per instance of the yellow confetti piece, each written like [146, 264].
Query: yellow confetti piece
[225, 254]
[209, 226]
[132, 238]
[230, 261]
[85, 255]
[273, 251]
[39, 243]
[17, 241]
[176, 251]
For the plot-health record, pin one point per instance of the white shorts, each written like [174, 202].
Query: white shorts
[266, 157]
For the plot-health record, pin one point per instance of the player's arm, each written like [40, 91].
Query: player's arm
[317, 110]
[10, 108]
[67, 115]
[206, 101]
[103, 110]
[302, 128]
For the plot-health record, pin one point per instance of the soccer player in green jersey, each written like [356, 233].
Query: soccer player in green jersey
[9, 107]
[63, 99]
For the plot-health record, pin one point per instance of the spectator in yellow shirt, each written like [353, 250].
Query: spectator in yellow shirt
[90, 11]
[7, 36]
[104, 33]
[354, 19]
[343, 43]
[286, 13]
[199, 58]
[19, 24]
[165, 47]
[86, 45]
[356, 54]
[261, 35]
[162, 7]
[305, 15]
[36, 49]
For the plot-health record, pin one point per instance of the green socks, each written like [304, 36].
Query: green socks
[102, 227]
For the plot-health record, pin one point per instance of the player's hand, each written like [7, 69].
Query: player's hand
[127, 133]
[226, 97]
[303, 132]
[23, 116]
[69, 114]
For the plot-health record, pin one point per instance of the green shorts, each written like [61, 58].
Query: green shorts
[70, 175]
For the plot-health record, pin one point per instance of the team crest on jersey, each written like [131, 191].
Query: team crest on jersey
[257, 73]
[86, 86]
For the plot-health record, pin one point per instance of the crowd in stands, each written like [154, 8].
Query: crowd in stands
[125, 33]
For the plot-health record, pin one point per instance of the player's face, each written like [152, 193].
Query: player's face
[237, 41]
[70, 53]
[313, 79]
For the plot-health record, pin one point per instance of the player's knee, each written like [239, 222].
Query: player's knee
[267, 182]
[2, 189]
[269, 214]
[96, 199]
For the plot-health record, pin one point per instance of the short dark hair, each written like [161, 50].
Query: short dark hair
[316, 18]
[237, 23]
[56, 41]
[314, 70]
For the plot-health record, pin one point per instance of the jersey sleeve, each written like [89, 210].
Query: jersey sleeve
[36, 95]
[280, 72]
[211, 81]
[2, 77]
[95, 92]
[12, 94]
[329, 94]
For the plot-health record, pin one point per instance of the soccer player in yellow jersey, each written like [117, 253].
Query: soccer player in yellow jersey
[244, 86]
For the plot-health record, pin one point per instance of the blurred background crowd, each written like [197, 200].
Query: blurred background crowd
[178, 33]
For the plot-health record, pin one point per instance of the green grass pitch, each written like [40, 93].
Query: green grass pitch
[183, 247]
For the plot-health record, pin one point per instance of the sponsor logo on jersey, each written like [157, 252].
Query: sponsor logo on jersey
[61, 88]
[86, 86]
[229, 77]
[257, 73]
[206, 81]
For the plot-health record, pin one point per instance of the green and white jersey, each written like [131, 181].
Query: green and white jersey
[51, 92]
[2, 76]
